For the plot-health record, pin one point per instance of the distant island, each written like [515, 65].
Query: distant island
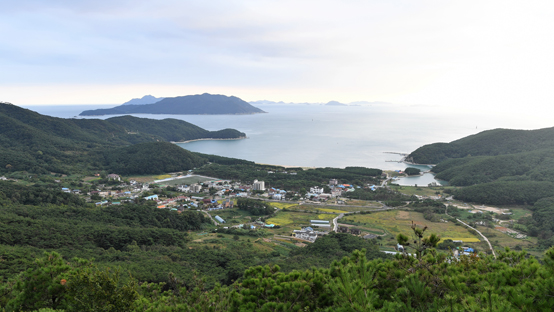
[147, 99]
[200, 104]
[335, 103]
[331, 103]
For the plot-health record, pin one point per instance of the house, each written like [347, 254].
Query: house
[277, 196]
[355, 232]
[306, 233]
[65, 190]
[228, 204]
[113, 176]
[316, 190]
[333, 182]
[183, 188]
[342, 229]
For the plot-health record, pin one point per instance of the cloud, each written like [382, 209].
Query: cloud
[430, 52]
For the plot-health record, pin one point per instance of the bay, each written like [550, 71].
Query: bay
[332, 136]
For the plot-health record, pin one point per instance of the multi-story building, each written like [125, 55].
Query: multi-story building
[258, 185]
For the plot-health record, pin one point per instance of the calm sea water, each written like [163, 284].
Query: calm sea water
[333, 136]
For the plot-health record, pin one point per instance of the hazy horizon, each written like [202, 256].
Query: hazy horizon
[487, 54]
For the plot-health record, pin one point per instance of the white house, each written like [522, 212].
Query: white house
[306, 233]
[316, 190]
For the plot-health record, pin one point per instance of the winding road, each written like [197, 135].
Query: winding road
[484, 237]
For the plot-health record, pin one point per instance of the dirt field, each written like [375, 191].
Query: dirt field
[403, 215]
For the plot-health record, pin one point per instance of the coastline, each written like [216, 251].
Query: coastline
[210, 139]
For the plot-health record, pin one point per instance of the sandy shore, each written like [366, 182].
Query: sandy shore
[208, 139]
[286, 166]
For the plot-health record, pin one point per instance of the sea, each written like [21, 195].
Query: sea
[334, 136]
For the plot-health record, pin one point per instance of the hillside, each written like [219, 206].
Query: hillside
[200, 104]
[36, 143]
[499, 166]
[487, 143]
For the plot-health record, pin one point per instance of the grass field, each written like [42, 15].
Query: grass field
[394, 222]
[500, 240]
[422, 191]
[291, 220]
[234, 216]
[335, 209]
[188, 180]
[464, 239]
[283, 205]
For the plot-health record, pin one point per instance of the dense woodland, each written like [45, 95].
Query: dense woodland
[428, 281]
[487, 143]
[299, 179]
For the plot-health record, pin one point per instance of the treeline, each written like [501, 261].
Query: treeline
[256, 207]
[297, 180]
[528, 166]
[541, 223]
[12, 193]
[380, 194]
[426, 281]
[329, 248]
[150, 158]
[506, 192]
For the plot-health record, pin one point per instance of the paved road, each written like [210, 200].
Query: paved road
[209, 215]
[335, 220]
[484, 237]
[335, 223]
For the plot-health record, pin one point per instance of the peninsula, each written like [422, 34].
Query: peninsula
[200, 104]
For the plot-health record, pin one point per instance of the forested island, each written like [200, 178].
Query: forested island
[200, 104]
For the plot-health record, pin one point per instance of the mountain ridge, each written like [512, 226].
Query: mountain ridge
[36, 143]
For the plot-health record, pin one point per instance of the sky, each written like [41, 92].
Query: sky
[496, 55]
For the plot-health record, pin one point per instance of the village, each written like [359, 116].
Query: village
[216, 198]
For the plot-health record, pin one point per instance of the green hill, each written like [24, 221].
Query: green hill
[200, 104]
[487, 143]
[36, 143]
[499, 166]
[150, 158]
